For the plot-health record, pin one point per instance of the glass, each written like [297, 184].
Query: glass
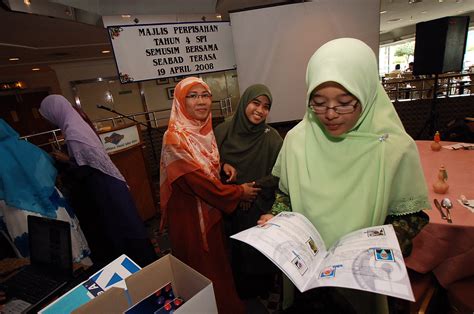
[341, 109]
[204, 96]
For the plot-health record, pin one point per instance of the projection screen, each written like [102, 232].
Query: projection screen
[272, 45]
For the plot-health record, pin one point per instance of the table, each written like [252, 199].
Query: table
[447, 249]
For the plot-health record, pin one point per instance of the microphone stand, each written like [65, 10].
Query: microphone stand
[148, 126]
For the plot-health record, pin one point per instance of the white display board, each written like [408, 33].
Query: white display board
[120, 139]
[273, 45]
[145, 52]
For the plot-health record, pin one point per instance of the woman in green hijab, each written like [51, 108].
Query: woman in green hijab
[349, 164]
[251, 146]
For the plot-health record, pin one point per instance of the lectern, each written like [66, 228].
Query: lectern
[125, 147]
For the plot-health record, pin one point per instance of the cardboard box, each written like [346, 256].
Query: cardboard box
[196, 290]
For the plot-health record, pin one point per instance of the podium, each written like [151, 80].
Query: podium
[125, 147]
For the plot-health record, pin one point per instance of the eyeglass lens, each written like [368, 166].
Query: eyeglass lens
[196, 96]
[341, 109]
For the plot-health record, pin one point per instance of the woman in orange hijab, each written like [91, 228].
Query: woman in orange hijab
[193, 199]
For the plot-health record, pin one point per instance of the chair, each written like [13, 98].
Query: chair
[392, 75]
[471, 85]
[7, 248]
[424, 288]
[460, 296]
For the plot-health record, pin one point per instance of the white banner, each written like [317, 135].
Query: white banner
[145, 52]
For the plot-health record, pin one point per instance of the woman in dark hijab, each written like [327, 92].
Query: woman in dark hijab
[251, 146]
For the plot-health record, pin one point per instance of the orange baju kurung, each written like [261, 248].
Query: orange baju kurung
[187, 241]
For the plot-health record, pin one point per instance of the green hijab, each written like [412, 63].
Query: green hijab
[251, 149]
[353, 181]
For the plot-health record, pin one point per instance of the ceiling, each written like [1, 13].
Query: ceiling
[71, 30]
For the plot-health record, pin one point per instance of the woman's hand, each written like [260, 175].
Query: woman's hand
[264, 218]
[230, 171]
[250, 192]
[60, 156]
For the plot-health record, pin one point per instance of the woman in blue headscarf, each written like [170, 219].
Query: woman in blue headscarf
[27, 178]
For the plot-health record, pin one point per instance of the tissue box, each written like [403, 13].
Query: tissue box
[110, 276]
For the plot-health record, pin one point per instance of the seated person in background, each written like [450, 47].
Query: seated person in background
[98, 191]
[349, 164]
[395, 73]
[410, 67]
[251, 146]
[27, 177]
[193, 199]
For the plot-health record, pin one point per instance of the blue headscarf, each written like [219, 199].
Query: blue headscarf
[27, 174]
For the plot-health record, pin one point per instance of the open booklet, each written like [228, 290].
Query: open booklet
[369, 259]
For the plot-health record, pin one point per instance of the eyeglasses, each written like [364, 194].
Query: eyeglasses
[341, 109]
[204, 96]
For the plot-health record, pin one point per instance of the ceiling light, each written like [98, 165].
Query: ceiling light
[394, 20]
[126, 16]
[105, 51]
[383, 12]
[219, 16]
[35, 69]
[27, 2]
[414, 1]
[14, 59]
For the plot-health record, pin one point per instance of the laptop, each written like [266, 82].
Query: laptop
[50, 266]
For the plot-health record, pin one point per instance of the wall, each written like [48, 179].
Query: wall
[126, 97]
[67, 72]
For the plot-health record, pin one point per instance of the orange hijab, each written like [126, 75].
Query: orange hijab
[188, 144]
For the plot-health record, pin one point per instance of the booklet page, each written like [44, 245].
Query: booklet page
[291, 242]
[369, 259]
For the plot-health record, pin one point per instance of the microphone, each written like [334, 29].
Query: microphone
[103, 107]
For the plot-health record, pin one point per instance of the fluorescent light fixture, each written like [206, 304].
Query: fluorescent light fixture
[383, 12]
[105, 51]
[126, 16]
[35, 69]
[14, 59]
